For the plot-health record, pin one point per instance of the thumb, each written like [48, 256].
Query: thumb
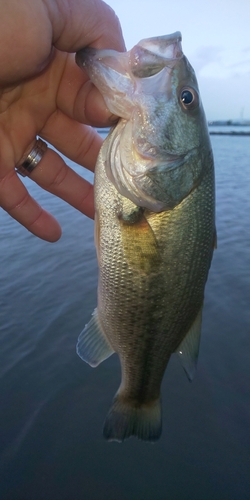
[91, 22]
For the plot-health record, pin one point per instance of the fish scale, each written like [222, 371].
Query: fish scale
[187, 287]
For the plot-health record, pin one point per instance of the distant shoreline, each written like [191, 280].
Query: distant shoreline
[229, 132]
[211, 132]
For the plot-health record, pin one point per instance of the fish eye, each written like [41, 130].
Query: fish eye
[189, 98]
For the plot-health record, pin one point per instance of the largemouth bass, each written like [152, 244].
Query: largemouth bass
[154, 225]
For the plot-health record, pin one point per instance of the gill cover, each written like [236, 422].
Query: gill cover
[142, 157]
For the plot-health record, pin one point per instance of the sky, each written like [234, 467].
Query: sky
[215, 39]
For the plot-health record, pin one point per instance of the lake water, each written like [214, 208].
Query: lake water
[53, 405]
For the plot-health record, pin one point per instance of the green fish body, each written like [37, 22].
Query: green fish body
[154, 226]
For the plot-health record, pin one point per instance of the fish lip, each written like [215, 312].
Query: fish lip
[161, 51]
[156, 45]
[159, 46]
[89, 56]
[83, 55]
[80, 52]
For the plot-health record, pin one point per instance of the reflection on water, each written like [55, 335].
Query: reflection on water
[53, 405]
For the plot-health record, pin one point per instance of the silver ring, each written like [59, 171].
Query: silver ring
[31, 161]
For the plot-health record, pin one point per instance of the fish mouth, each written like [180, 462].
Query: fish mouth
[149, 55]
[118, 74]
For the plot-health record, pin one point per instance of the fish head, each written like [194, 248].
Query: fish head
[160, 148]
[122, 77]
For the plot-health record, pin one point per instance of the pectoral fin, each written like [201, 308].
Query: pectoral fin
[92, 345]
[188, 350]
[139, 242]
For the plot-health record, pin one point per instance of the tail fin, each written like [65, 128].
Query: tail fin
[125, 420]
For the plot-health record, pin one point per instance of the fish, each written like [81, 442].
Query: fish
[154, 226]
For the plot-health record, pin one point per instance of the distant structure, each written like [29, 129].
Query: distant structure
[212, 128]
[235, 123]
[234, 127]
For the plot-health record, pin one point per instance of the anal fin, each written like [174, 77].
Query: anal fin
[188, 350]
[92, 345]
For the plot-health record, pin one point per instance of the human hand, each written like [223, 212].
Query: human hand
[43, 92]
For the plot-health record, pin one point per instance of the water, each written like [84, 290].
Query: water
[53, 405]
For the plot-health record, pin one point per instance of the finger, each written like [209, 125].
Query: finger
[89, 23]
[78, 142]
[15, 199]
[54, 175]
[90, 107]
[26, 55]
[79, 98]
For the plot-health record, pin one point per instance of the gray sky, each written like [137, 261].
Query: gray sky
[215, 38]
